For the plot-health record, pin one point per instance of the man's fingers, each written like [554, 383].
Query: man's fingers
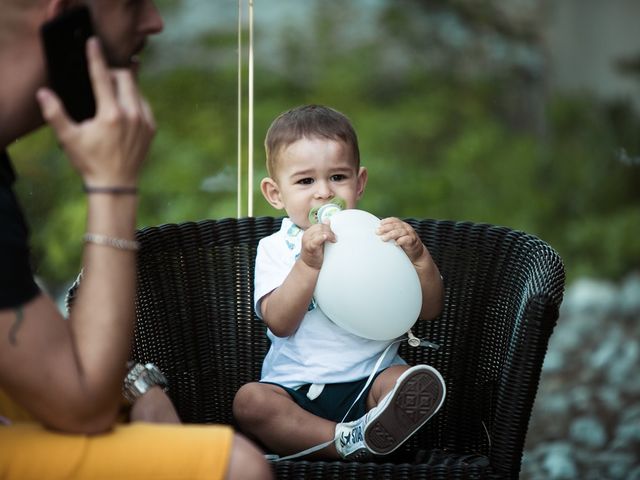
[131, 102]
[127, 91]
[99, 72]
[148, 115]
[53, 111]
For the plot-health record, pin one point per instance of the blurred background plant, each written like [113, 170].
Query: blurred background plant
[454, 104]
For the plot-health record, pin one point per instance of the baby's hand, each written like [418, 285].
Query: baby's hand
[404, 236]
[312, 252]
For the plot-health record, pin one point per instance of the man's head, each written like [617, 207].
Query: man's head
[312, 158]
[123, 27]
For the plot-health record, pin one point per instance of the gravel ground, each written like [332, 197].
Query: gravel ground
[586, 420]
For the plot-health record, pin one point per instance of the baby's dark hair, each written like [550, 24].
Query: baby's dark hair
[309, 121]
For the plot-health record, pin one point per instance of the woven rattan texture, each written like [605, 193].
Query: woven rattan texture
[503, 287]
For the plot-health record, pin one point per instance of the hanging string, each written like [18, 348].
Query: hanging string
[250, 115]
[250, 120]
[239, 168]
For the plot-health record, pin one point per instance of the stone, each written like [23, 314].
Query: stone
[589, 432]
[558, 462]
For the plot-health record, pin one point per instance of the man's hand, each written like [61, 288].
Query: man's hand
[107, 150]
[313, 240]
[155, 407]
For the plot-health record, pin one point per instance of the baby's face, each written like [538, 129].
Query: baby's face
[313, 171]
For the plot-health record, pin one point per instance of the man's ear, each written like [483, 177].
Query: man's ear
[271, 192]
[363, 176]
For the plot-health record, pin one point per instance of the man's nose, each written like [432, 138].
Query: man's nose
[151, 21]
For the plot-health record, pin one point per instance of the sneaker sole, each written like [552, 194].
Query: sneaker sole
[419, 394]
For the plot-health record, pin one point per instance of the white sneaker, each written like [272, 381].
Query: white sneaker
[417, 395]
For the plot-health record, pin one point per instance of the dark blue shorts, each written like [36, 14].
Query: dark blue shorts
[335, 399]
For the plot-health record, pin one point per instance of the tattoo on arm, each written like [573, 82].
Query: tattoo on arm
[13, 340]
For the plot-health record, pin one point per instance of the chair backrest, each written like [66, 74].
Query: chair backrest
[194, 311]
[503, 289]
[195, 319]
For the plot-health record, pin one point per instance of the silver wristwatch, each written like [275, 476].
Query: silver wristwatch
[140, 379]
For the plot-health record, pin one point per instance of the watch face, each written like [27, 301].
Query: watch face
[142, 383]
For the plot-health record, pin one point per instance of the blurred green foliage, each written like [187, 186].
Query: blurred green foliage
[438, 143]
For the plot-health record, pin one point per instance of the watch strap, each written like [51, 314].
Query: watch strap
[141, 378]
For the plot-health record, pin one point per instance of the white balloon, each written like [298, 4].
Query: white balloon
[367, 286]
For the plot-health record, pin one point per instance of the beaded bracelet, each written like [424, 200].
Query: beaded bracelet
[119, 243]
[111, 190]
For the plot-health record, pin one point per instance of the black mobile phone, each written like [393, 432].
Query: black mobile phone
[64, 39]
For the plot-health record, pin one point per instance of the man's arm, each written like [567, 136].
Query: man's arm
[68, 374]
[154, 406]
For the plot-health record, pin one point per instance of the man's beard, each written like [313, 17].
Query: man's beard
[116, 61]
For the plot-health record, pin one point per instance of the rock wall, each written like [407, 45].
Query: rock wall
[586, 420]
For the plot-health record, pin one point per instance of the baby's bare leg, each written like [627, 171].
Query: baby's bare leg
[383, 384]
[267, 413]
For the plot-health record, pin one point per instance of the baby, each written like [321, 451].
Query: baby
[314, 388]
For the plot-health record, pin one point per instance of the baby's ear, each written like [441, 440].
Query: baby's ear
[271, 192]
[363, 176]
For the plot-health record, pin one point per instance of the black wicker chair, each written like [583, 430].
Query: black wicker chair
[503, 290]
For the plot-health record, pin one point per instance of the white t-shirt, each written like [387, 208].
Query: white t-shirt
[320, 351]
